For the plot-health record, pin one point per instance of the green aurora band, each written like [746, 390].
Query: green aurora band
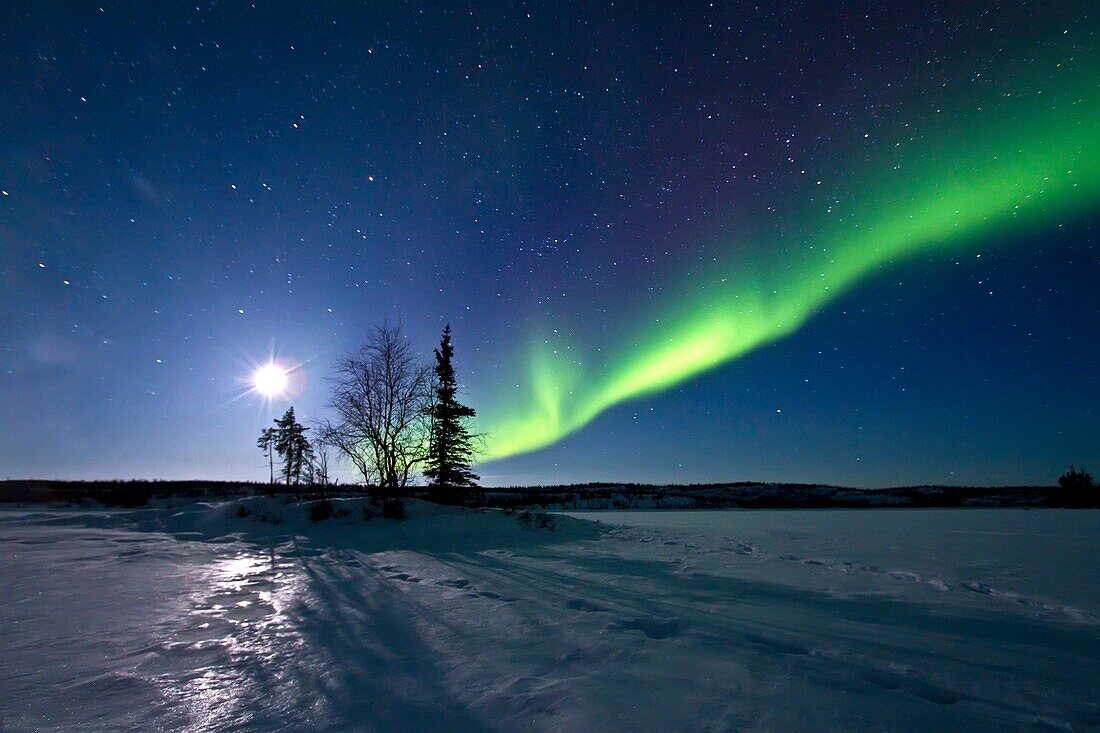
[1037, 165]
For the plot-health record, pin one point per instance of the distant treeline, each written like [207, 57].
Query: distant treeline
[594, 496]
[746, 495]
[134, 493]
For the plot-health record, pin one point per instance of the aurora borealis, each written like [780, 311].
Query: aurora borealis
[1027, 168]
[716, 242]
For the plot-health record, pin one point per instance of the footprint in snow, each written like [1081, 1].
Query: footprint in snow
[405, 578]
[778, 646]
[916, 688]
[937, 695]
[456, 583]
[652, 627]
[526, 684]
[579, 604]
[905, 575]
[885, 680]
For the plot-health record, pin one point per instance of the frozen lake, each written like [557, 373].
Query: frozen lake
[458, 620]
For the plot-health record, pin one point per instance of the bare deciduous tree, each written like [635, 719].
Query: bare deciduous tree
[347, 447]
[319, 467]
[380, 393]
[266, 443]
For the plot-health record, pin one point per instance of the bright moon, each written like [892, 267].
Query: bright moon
[270, 380]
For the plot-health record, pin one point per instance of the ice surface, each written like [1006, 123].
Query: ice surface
[458, 620]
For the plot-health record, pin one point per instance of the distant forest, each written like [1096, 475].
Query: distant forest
[596, 496]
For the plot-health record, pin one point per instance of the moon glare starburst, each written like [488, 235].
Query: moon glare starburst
[271, 380]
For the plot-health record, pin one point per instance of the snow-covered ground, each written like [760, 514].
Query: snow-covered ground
[457, 620]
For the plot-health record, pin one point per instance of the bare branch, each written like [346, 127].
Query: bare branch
[379, 394]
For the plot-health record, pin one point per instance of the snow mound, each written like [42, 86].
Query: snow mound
[358, 523]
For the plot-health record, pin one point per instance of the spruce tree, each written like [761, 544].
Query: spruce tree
[292, 445]
[451, 445]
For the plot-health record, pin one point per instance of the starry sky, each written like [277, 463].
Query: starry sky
[687, 242]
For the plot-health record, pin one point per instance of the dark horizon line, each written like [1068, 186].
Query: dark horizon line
[579, 485]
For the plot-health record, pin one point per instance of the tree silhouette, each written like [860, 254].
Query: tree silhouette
[380, 396]
[451, 447]
[319, 450]
[266, 443]
[292, 445]
[1076, 480]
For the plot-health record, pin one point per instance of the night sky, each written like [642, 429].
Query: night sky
[697, 242]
